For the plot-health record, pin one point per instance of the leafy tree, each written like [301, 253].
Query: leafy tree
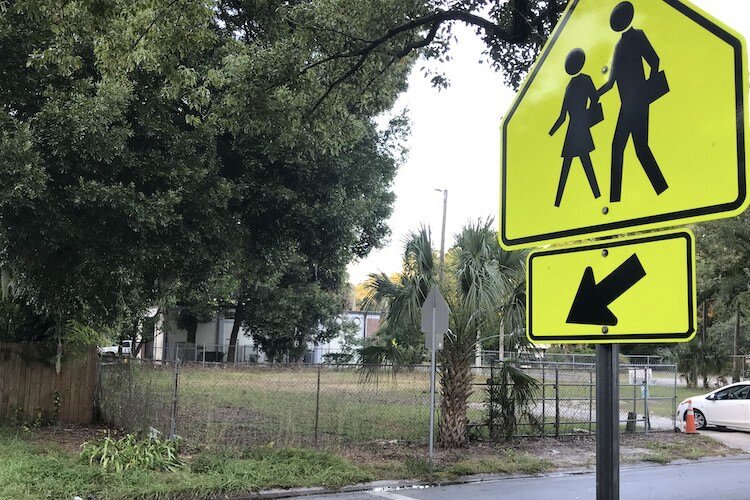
[149, 149]
[702, 358]
[146, 148]
[723, 248]
[109, 184]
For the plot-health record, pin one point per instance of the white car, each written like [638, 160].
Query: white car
[725, 407]
[121, 349]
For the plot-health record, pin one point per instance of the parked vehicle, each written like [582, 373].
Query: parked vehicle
[725, 407]
[122, 349]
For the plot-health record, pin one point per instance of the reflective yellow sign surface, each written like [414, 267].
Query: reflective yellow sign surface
[635, 115]
[638, 289]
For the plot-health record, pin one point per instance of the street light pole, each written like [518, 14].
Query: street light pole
[442, 234]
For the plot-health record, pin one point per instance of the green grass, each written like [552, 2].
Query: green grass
[240, 407]
[686, 447]
[508, 462]
[252, 405]
[33, 466]
[41, 470]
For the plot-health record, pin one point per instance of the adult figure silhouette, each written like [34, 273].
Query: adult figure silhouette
[578, 141]
[636, 95]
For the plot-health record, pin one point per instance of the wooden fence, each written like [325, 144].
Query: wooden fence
[32, 391]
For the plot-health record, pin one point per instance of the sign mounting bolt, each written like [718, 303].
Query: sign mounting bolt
[605, 252]
[605, 210]
[605, 330]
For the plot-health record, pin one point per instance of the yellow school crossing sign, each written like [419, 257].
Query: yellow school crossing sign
[635, 116]
[638, 289]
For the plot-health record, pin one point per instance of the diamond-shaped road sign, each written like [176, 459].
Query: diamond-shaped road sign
[634, 116]
[435, 314]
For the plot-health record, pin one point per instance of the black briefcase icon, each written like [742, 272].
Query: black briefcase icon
[596, 114]
[656, 87]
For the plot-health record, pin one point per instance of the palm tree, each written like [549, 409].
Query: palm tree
[483, 285]
[402, 296]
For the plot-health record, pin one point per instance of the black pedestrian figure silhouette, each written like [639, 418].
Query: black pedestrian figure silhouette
[578, 140]
[636, 95]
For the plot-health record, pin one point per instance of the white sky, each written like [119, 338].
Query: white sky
[455, 144]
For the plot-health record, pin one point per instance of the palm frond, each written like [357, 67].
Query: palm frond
[402, 299]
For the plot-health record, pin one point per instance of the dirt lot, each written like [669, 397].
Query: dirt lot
[565, 452]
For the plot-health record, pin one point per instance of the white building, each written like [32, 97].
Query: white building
[212, 339]
[367, 323]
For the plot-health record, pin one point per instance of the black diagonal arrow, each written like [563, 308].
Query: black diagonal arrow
[590, 307]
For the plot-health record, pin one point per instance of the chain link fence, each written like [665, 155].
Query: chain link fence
[565, 400]
[223, 405]
[243, 405]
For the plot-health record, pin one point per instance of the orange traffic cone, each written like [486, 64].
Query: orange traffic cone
[690, 419]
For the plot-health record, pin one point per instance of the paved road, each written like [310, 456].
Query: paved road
[717, 480]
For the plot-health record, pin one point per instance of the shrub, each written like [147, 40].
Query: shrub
[130, 452]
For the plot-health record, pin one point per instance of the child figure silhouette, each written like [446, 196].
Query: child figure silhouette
[578, 141]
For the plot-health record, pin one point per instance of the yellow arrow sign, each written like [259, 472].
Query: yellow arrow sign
[635, 115]
[638, 289]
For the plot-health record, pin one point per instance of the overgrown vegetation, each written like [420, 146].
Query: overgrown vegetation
[133, 452]
[39, 469]
[34, 466]
[510, 396]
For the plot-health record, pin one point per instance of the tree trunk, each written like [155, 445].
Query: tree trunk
[501, 343]
[455, 380]
[135, 346]
[192, 329]
[238, 312]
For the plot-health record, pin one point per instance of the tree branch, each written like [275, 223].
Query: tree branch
[338, 81]
[521, 28]
[156, 18]
[420, 44]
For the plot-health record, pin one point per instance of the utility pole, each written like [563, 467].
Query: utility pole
[735, 358]
[442, 233]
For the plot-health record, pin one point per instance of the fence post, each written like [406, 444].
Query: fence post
[544, 400]
[173, 419]
[635, 392]
[204, 354]
[674, 397]
[591, 398]
[317, 407]
[557, 402]
[491, 393]
[98, 392]
[645, 398]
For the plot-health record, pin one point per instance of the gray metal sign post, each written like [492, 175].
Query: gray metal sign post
[435, 313]
[433, 370]
[607, 422]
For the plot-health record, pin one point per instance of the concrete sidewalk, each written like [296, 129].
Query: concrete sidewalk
[733, 439]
